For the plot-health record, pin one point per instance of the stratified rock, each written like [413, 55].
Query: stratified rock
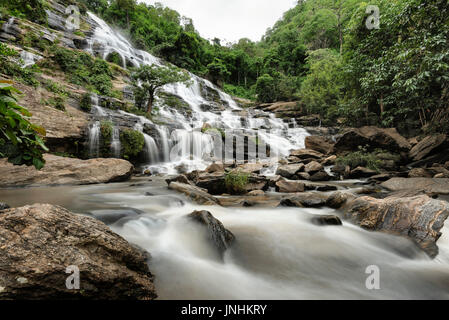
[218, 234]
[288, 171]
[313, 167]
[284, 186]
[328, 220]
[420, 218]
[307, 154]
[361, 172]
[38, 243]
[4, 206]
[196, 194]
[65, 171]
[439, 186]
[427, 147]
[318, 143]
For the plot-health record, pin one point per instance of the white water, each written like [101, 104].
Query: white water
[116, 145]
[94, 139]
[281, 139]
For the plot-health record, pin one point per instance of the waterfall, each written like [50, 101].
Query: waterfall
[207, 104]
[116, 145]
[94, 140]
[29, 58]
[8, 24]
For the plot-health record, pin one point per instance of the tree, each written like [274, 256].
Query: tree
[19, 138]
[148, 79]
[266, 88]
[128, 6]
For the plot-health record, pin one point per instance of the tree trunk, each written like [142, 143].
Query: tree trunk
[150, 104]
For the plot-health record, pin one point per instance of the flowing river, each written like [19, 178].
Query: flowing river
[278, 253]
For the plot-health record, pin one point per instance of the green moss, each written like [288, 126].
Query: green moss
[236, 182]
[361, 158]
[174, 102]
[132, 143]
[106, 129]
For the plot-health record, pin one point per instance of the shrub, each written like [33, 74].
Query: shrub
[33, 10]
[106, 137]
[132, 143]
[266, 89]
[86, 103]
[57, 103]
[361, 158]
[236, 181]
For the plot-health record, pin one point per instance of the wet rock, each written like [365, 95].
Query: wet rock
[327, 220]
[221, 238]
[251, 167]
[256, 182]
[329, 161]
[319, 144]
[196, 194]
[325, 188]
[338, 199]
[179, 178]
[288, 171]
[361, 172]
[113, 215]
[33, 265]
[439, 172]
[214, 183]
[427, 147]
[320, 176]
[306, 200]
[303, 176]
[65, 171]
[380, 177]
[284, 186]
[420, 218]
[256, 193]
[215, 167]
[313, 167]
[438, 186]
[4, 206]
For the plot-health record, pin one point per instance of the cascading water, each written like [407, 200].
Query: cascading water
[94, 140]
[188, 126]
[8, 24]
[116, 145]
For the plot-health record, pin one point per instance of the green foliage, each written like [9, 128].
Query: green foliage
[361, 158]
[132, 143]
[10, 64]
[236, 181]
[238, 91]
[57, 102]
[82, 69]
[33, 10]
[266, 88]
[55, 87]
[147, 80]
[19, 139]
[86, 102]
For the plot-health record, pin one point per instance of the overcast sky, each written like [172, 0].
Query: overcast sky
[230, 19]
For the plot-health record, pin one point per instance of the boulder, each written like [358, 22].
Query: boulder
[327, 220]
[329, 161]
[256, 193]
[39, 242]
[439, 172]
[288, 171]
[361, 172]
[65, 171]
[221, 238]
[338, 199]
[438, 186]
[303, 176]
[419, 218]
[179, 178]
[251, 167]
[313, 167]
[427, 147]
[419, 173]
[196, 194]
[4, 206]
[319, 144]
[374, 137]
[320, 176]
[214, 183]
[303, 154]
[284, 186]
[215, 167]
[305, 200]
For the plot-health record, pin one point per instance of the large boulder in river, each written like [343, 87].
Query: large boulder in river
[196, 194]
[289, 170]
[373, 137]
[65, 171]
[221, 238]
[429, 185]
[420, 218]
[427, 147]
[284, 186]
[39, 242]
[318, 143]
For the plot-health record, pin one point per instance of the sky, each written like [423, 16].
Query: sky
[230, 20]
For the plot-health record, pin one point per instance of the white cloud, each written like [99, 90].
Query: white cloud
[230, 19]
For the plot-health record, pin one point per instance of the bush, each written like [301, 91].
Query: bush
[132, 143]
[86, 102]
[106, 137]
[33, 10]
[266, 89]
[236, 182]
[361, 158]
[57, 103]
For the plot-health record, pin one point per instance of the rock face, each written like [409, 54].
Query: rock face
[65, 171]
[420, 218]
[427, 146]
[198, 195]
[38, 243]
[319, 144]
[439, 186]
[374, 137]
[218, 234]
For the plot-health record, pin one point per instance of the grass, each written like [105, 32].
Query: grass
[236, 181]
